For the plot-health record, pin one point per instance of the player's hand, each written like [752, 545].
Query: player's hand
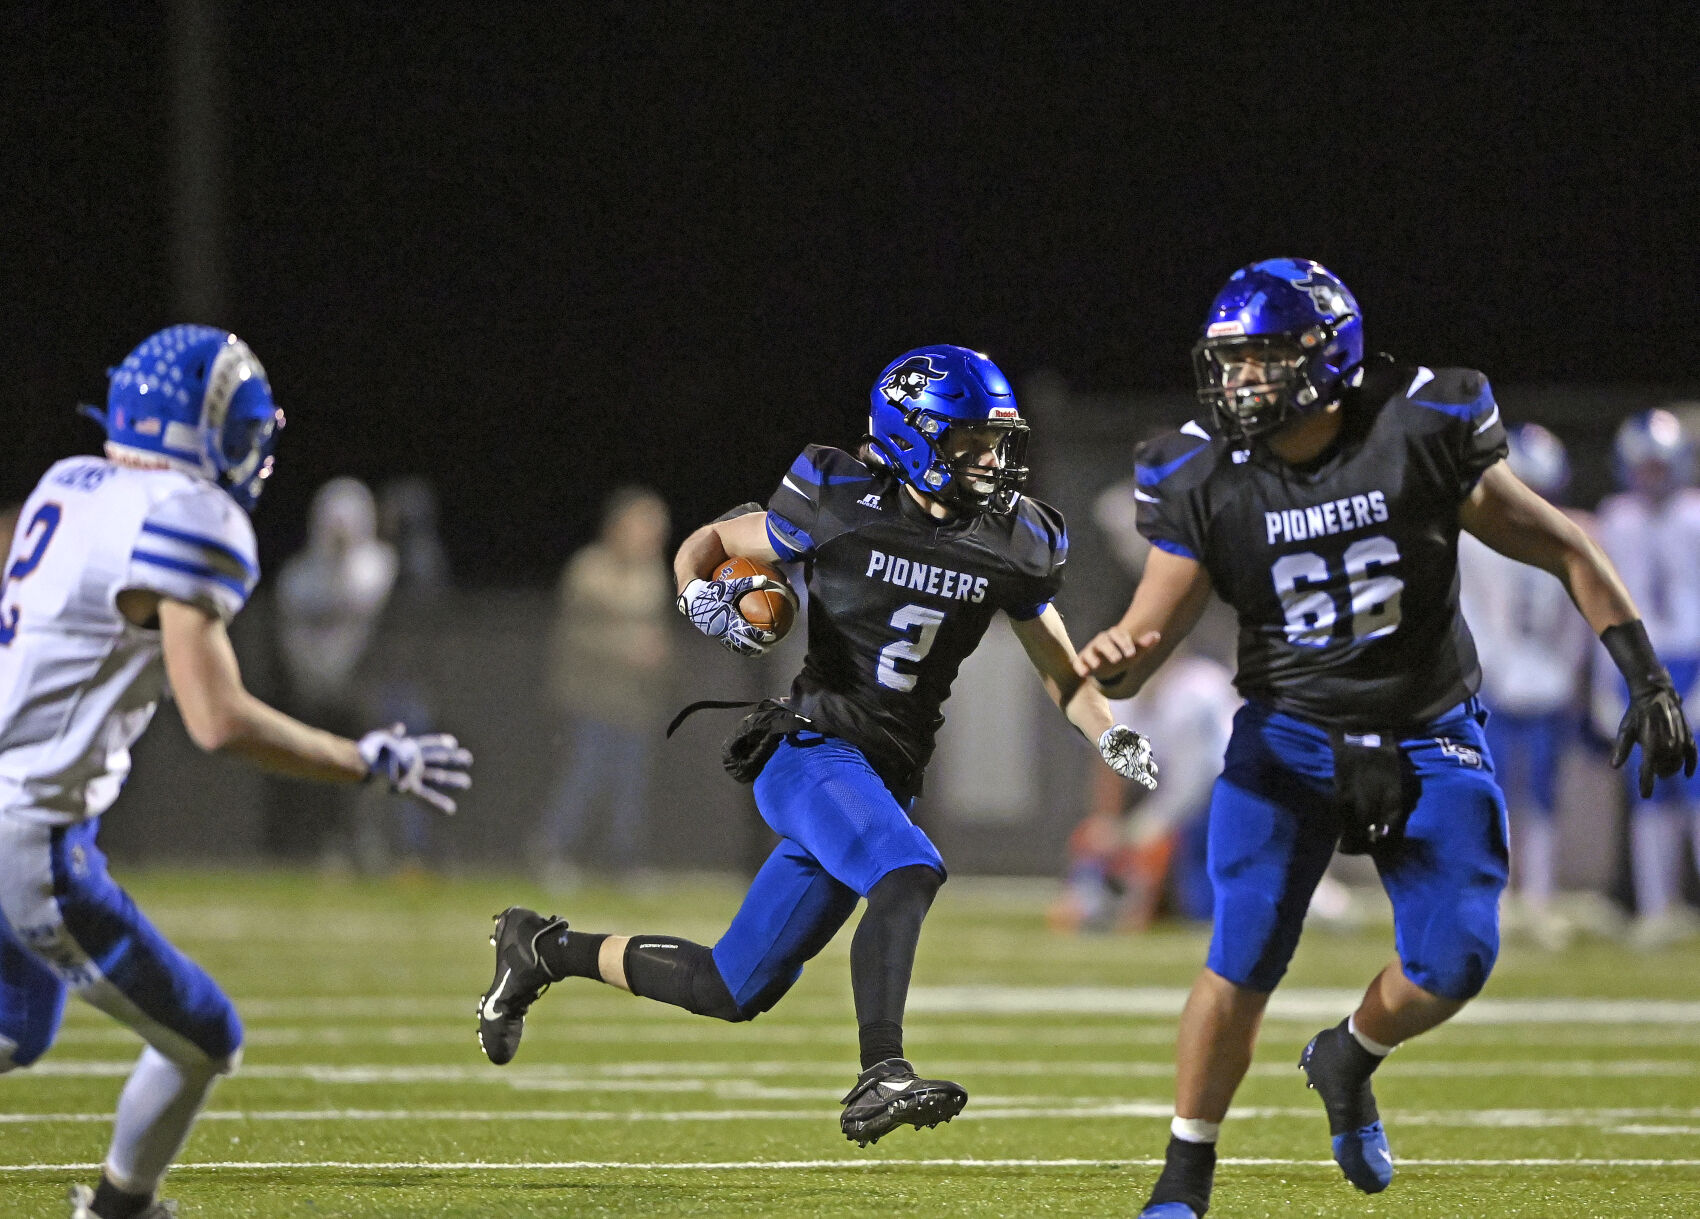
[1107, 654]
[712, 607]
[1128, 753]
[1655, 722]
[421, 766]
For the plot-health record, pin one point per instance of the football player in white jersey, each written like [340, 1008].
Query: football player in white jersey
[1651, 530]
[124, 572]
[1533, 650]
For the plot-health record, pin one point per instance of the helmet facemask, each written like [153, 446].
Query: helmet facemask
[955, 472]
[1253, 384]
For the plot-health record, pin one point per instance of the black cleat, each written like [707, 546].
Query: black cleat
[1339, 1069]
[520, 979]
[889, 1094]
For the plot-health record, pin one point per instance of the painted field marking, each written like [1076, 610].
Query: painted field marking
[795, 1165]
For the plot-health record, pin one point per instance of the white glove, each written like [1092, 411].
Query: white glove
[1128, 753]
[712, 607]
[417, 765]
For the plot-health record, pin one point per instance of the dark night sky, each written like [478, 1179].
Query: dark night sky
[535, 252]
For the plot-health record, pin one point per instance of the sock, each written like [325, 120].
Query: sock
[159, 1103]
[110, 1202]
[880, 1040]
[1366, 1042]
[1655, 832]
[882, 956]
[675, 971]
[571, 954]
[1195, 1130]
[1189, 1171]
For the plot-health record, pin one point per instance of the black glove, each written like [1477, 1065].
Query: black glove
[1654, 720]
[1370, 792]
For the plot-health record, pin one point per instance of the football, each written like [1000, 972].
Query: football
[772, 609]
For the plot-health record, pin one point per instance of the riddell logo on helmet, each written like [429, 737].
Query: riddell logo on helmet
[1004, 412]
[909, 379]
[1217, 329]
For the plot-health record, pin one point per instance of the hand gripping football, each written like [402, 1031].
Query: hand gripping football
[771, 605]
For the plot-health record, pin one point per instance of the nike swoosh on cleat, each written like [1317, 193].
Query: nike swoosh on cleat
[488, 1011]
[1382, 1152]
[897, 1087]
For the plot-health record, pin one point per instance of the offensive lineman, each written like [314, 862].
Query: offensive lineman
[123, 575]
[908, 551]
[1322, 499]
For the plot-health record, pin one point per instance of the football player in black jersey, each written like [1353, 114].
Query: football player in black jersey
[909, 549]
[1321, 496]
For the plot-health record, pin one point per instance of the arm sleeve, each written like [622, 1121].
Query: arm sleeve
[1167, 515]
[197, 547]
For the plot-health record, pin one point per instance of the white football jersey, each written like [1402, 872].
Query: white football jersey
[1656, 548]
[1531, 641]
[78, 681]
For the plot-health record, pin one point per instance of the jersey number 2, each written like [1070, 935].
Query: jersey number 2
[911, 649]
[1313, 601]
[46, 518]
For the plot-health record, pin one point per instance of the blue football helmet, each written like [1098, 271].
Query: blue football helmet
[1284, 338]
[197, 399]
[1653, 454]
[935, 412]
[1539, 459]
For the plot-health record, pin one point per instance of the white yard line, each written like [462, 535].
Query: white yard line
[1616, 1121]
[794, 1165]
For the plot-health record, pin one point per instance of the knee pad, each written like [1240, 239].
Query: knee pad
[683, 974]
[1456, 955]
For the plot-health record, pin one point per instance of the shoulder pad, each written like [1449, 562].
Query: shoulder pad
[821, 465]
[1035, 523]
[1189, 449]
[1462, 393]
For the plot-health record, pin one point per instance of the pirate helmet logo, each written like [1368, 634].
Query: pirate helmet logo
[909, 380]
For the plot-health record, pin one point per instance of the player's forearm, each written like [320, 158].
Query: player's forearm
[1085, 706]
[699, 555]
[1594, 585]
[249, 729]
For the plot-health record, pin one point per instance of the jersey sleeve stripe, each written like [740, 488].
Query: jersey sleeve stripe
[198, 570]
[205, 543]
[787, 539]
[1150, 476]
[1174, 548]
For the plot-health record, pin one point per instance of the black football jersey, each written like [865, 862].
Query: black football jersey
[897, 599]
[1344, 573]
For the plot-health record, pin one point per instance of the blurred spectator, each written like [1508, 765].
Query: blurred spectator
[1651, 531]
[406, 662]
[329, 598]
[609, 651]
[1533, 648]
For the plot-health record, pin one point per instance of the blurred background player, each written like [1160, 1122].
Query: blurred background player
[910, 549]
[125, 572]
[1321, 496]
[330, 595]
[1126, 859]
[1651, 529]
[1534, 650]
[609, 658]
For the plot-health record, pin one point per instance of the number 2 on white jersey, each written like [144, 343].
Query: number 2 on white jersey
[912, 649]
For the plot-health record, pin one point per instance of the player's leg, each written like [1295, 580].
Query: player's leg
[790, 912]
[823, 793]
[107, 952]
[1270, 841]
[32, 1000]
[1444, 878]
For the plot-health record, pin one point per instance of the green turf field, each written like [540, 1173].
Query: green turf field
[1573, 1088]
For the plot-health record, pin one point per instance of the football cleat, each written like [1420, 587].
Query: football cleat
[82, 1206]
[520, 979]
[1168, 1210]
[889, 1094]
[1354, 1124]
